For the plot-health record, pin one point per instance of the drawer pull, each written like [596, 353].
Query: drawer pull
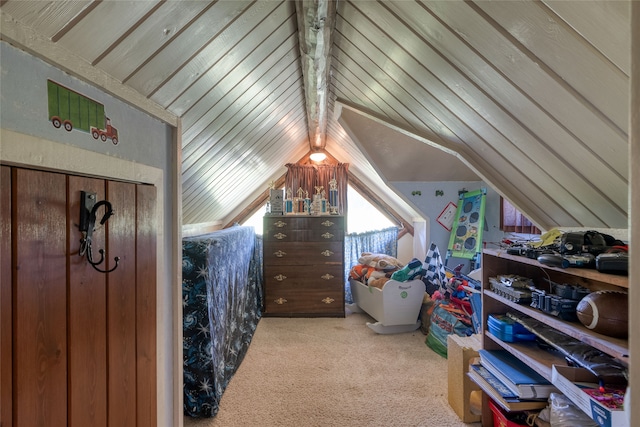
[328, 300]
[280, 301]
[327, 235]
[279, 254]
[327, 276]
[327, 223]
[279, 236]
[279, 224]
[326, 252]
[280, 277]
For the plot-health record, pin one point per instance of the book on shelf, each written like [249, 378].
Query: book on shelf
[506, 401]
[487, 376]
[520, 378]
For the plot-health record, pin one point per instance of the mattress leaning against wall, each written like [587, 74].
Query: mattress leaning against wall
[222, 299]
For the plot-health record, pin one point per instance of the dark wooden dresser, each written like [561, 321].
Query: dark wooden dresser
[304, 266]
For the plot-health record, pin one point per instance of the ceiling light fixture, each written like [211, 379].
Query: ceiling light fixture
[318, 156]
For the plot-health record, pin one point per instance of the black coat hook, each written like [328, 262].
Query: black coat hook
[88, 211]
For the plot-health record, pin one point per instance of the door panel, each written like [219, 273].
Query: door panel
[146, 225]
[121, 306]
[87, 316]
[40, 305]
[78, 345]
[5, 297]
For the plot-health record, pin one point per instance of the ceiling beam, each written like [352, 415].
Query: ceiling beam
[316, 22]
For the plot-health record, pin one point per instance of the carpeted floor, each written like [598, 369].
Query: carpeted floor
[335, 372]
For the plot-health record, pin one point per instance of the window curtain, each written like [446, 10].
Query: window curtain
[512, 220]
[381, 242]
[308, 177]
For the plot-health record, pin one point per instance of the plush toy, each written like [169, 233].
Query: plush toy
[378, 282]
[368, 275]
[359, 272]
[379, 261]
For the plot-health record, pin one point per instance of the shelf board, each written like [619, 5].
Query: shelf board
[586, 273]
[616, 347]
[539, 359]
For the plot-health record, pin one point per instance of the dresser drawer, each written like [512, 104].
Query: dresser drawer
[303, 235]
[303, 275]
[297, 301]
[303, 228]
[294, 253]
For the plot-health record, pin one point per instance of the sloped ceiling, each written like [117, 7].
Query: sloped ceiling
[530, 96]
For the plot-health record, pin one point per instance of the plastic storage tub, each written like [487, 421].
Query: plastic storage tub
[507, 329]
[500, 419]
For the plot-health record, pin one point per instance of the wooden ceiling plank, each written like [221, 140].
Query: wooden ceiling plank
[539, 87]
[233, 70]
[47, 17]
[102, 32]
[250, 130]
[609, 15]
[169, 19]
[536, 158]
[235, 124]
[191, 42]
[564, 55]
[195, 50]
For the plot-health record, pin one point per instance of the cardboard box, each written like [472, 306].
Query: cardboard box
[459, 351]
[565, 377]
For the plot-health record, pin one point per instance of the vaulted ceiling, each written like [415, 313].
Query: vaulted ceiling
[530, 96]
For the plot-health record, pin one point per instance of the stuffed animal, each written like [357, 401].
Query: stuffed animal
[359, 272]
[379, 261]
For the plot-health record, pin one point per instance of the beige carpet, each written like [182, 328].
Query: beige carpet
[335, 372]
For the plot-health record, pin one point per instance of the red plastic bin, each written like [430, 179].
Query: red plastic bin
[500, 419]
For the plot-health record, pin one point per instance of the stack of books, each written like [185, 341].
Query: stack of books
[510, 382]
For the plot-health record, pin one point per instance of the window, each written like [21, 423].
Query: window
[512, 220]
[363, 216]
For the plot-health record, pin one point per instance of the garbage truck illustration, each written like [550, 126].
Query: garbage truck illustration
[71, 110]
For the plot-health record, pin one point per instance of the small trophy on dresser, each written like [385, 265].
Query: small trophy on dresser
[275, 200]
[333, 197]
[288, 203]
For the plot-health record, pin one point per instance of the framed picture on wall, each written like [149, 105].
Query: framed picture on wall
[447, 216]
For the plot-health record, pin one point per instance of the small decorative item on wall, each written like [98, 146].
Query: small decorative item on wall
[72, 110]
[447, 215]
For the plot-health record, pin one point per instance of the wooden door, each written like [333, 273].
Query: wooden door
[83, 341]
[6, 358]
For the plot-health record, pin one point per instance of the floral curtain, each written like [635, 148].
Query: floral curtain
[380, 241]
[308, 177]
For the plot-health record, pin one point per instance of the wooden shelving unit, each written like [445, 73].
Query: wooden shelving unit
[495, 263]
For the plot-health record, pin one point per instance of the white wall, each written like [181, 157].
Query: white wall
[433, 197]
